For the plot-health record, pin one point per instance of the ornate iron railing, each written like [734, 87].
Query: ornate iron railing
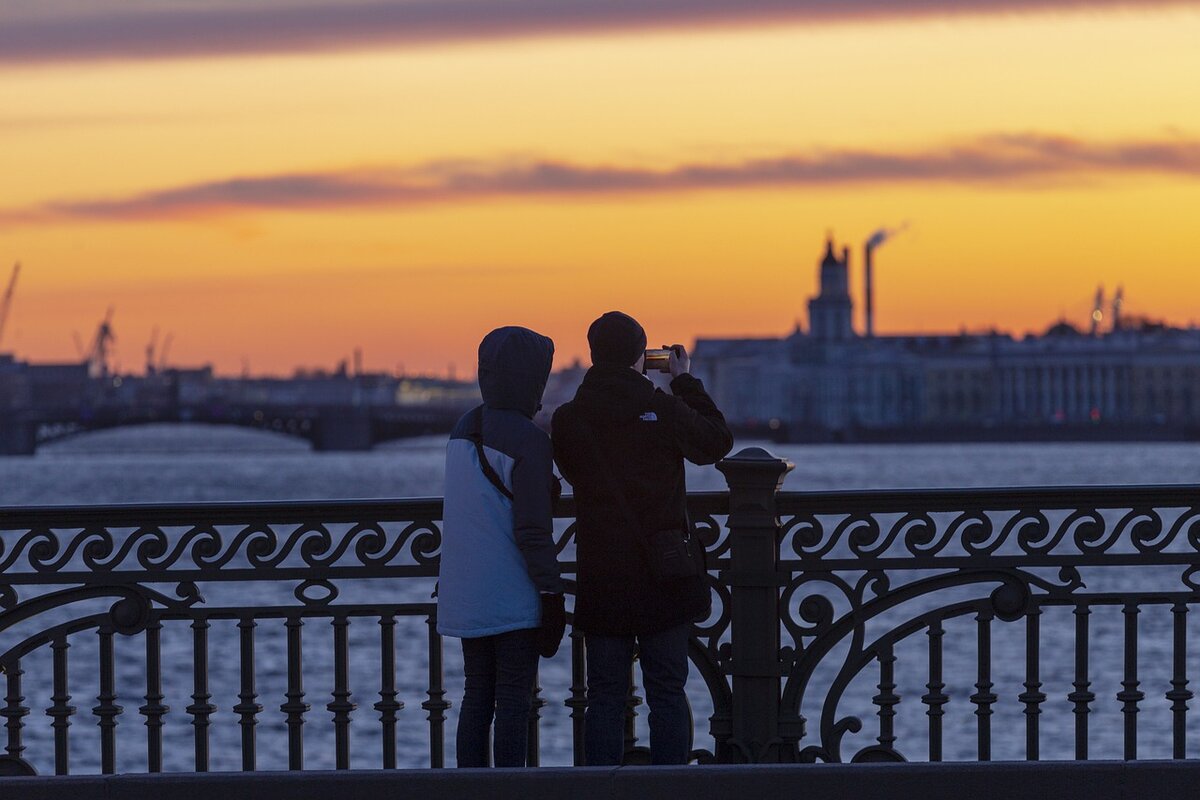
[868, 571]
[989, 606]
[67, 574]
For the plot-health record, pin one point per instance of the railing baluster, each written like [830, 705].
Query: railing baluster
[388, 705]
[1129, 696]
[61, 711]
[577, 702]
[533, 749]
[107, 710]
[984, 697]
[936, 698]
[1032, 697]
[341, 705]
[632, 701]
[1082, 697]
[887, 699]
[436, 705]
[1179, 694]
[154, 710]
[200, 709]
[247, 708]
[14, 710]
[295, 707]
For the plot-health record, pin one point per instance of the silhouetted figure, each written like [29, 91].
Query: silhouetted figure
[621, 443]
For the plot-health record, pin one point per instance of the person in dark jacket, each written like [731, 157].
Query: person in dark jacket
[621, 434]
[499, 588]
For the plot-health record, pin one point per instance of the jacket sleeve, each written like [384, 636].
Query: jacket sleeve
[533, 515]
[700, 429]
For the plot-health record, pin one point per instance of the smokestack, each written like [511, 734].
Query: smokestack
[868, 249]
[877, 238]
[1098, 310]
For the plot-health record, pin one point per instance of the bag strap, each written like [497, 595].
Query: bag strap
[475, 434]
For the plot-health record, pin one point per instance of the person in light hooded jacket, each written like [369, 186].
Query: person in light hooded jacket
[499, 588]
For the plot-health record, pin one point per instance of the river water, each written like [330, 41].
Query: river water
[195, 463]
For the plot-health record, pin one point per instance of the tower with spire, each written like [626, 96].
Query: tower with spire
[830, 312]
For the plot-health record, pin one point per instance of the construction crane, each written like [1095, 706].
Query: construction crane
[6, 301]
[97, 356]
[165, 351]
[150, 363]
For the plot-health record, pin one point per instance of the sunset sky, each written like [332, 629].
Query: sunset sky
[285, 180]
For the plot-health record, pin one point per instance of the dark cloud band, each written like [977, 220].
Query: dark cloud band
[1020, 160]
[102, 29]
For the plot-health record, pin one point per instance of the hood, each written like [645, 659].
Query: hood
[514, 364]
[617, 393]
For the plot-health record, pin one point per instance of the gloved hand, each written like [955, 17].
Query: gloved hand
[554, 625]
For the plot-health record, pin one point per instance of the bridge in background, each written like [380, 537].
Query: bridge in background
[40, 404]
[328, 428]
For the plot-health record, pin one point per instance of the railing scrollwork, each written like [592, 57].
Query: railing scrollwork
[845, 626]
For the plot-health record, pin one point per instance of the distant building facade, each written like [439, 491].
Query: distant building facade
[831, 383]
[16, 389]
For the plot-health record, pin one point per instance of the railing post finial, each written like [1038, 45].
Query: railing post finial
[754, 476]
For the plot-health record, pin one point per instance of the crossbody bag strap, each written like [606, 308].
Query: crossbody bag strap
[475, 434]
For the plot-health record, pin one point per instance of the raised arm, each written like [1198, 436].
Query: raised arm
[700, 429]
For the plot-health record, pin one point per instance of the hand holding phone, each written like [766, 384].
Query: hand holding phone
[679, 363]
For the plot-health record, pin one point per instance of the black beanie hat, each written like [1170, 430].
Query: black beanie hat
[616, 339]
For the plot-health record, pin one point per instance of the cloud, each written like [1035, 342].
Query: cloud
[104, 29]
[1024, 159]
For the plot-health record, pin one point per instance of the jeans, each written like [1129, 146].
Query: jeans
[499, 672]
[663, 656]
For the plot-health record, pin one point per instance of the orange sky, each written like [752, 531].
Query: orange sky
[284, 208]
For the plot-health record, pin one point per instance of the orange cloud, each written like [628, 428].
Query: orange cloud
[1019, 159]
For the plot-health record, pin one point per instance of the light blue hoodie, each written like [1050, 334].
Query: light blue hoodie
[498, 554]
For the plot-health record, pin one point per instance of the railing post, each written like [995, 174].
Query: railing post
[754, 580]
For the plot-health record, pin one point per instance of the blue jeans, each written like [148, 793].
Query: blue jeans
[663, 656]
[499, 672]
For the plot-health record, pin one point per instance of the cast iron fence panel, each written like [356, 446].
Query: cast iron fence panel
[154, 565]
[1003, 557]
[824, 605]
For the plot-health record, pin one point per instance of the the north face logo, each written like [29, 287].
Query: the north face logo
[649, 416]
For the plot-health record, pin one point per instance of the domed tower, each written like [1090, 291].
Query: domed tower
[830, 313]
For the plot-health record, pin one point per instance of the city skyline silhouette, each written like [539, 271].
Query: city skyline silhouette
[285, 183]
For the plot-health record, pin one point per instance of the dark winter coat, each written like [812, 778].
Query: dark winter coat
[499, 554]
[620, 423]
